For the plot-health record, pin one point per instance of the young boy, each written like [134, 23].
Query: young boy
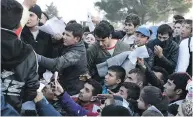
[114, 78]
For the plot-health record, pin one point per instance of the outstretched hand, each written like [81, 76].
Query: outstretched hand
[29, 3]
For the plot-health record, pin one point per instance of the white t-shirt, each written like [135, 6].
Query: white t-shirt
[35, 34]
[129, 40]
[184, 55]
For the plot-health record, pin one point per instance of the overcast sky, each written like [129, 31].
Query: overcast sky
[71, 9]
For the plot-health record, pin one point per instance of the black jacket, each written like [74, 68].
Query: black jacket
[19, 70]
[70, 63]
[170, 52]
[42, 45]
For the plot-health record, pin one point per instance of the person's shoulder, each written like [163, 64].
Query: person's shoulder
[173, 44]
[93, 47]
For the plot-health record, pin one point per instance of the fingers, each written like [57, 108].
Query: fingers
[110, 92]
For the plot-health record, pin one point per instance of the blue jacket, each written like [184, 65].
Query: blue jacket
[45, 109]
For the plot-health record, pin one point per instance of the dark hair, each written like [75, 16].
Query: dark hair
[180, 80]
[133, 90]
[103, 30]
[76, 29]
[120, 72]
[97, 86]
[153, 96]
[140, 75]
[72, 22]
[133, 18]
[46, 15]
[114, 110]
[178, 21]
[151, 113]
[86, 29]
[164, 73]
[178, 17]
[165, 29]
[11, 13]
[188, 21]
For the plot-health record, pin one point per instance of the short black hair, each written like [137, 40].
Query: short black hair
[133, 18]
[164, 73]
[72, 22]
[120, 72]
[86, 29]
[103, 30]
[76, 29]
[97, 86]
[178, 21]
[11, 13]
[115, 110]
[165, 29]
[140, 75]
[46, 15]
[188, 21]
[180, 80]
[178, 17]
[133, 90]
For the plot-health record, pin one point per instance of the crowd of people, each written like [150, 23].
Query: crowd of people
[101, 72]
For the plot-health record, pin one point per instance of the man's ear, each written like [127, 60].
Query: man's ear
[118, 81]
[93, 98]
[140, 84]
[178, 91]
[77, 39]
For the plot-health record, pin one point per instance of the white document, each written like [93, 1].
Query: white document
[90, 23]
[53, 26]
[41, 87]
[47, 76]
[139, 52]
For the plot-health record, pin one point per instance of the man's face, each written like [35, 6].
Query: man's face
[186, 30]
[104, 43]
[158, 74]
[86, 93]
[169, 89]
[132, 78]
[123, 92]
[163, 37]
[141, 104]
[43, 19]
[33, 20]
[89, 39]
[111, 79]
[69, 39]
[129, 28]
[177, 29]
[140, 39]
[48, 93]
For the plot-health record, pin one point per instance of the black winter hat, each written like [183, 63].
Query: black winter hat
[37, 10]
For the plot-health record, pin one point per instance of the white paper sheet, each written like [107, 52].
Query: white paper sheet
[139, 52]
[53, 26]
[47, 75]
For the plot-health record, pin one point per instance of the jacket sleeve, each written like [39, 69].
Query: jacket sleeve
[45, 109]
[72, 107]
[170, 64]
[32, 81]
[91, 56]
[57, 64]
[152, 78]
[150, 60]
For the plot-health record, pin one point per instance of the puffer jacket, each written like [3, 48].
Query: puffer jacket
[70, 63]
[19, 77]
[170, 52]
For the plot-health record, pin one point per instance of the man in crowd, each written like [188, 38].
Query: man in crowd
[44, 18]
[142, 35]
[175, 89]
[177, 31]
[71, 59]
[19, 78]
[105, 48]
[136, 76]
[114, 78]
[39, 40]
[184, 63]
[165, 49]
[131, 23]
[177, 17]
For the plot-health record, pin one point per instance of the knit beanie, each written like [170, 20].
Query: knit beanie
[37, 10]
